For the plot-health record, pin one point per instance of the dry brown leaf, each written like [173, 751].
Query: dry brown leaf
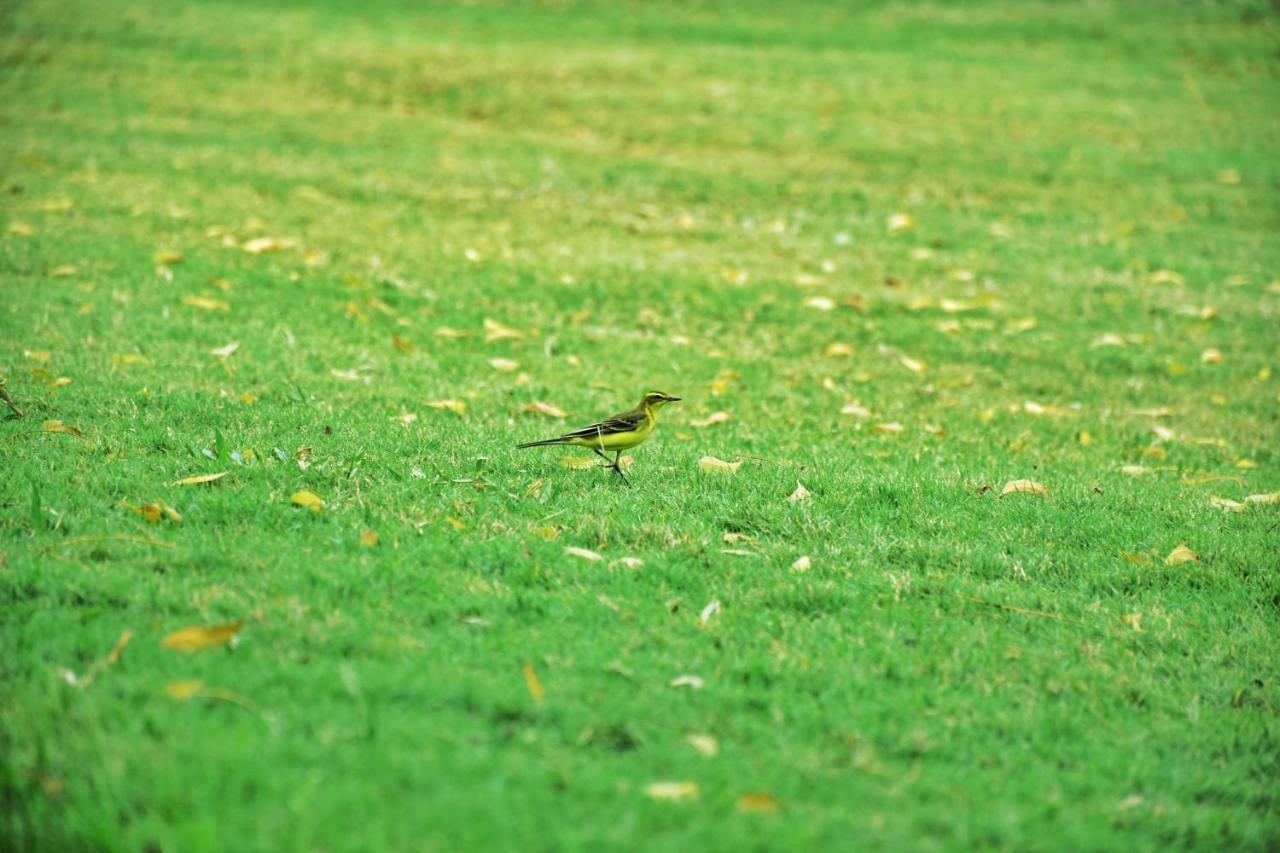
[711, 420]
[537, 407]
[672, 791]
[583, 553]
[760, 801]
[199, 637]
[206, 303]
[308, 500]
[1028, 486]
[1179, 555]
[534, 684]
[495, 331]
[60, 427]
[456, 406]
[799, 495]
[199, 478]
[712, 465]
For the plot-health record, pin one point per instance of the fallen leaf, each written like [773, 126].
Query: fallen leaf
[1226, 503]
[821, 303]
[856, 409]
[672, 791]
[692, 681]
[167, 256]
[199, 478]
[405, 418]
[1165, 277]
[503, 365]
[1133, 620]
[1157, 412]
[1268, 498]
[590, 556]
[899, 222]
[891, 428]
[64, 270]
[578, 463]
[1230, 177]
[226, 350]
[402, 344]
[800, 494]
[261, 245]
[368, 538]
[757, 802]
[206, 303]
[184, 690]
[40, 355]
[712, 465]
[1246, 464]
[537, 407]
[704, 744]
[156, 512]
[202, 637]
[1029, 486]
[60, 427]
[1211, 356]
[129, 358]
[711, 420]
[21, 229]
[534, 684]
[451, 333]
[838, 350]
[1134, 470]
[802, 564]
[710, 610]
[1179, 555]
[307, 499]
[495, 331]
[914, 365]
[456, 406]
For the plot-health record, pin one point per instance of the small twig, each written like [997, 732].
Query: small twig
[1024, 611]
[8, 401]
[78, 540]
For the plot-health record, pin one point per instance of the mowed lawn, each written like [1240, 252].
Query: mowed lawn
[894, 257]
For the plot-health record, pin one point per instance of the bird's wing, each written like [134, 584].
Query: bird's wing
[625, 422]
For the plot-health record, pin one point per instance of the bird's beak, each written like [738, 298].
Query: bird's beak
[674, 399]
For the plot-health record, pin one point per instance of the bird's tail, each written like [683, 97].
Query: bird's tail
[542, 443]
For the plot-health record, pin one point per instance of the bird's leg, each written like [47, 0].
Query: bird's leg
[598, 452]
[617, 467]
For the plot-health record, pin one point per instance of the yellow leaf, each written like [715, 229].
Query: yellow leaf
[672, 791]
[711, 420]
[838, 350]
[914, 365]
[60, 382]
[757, 802]
[450, 333]
[821, 303]
[261, 245]
[1268, 498]
[1028, 486]
[167, 256]
[199, 478]
[537, 407]
[60, 427]
[129, 358]
[503, 365]
[547, 533]
[534, 684]
[368, 538]
[1179, 555]
[402, 344]
[577, 463]
[1134, 470]
[184, 690]
[1226, 503]
[704, 744]
[888, 429]
[1154, 452]
[225, 351]
[1165, 277]
[627, 562]
[307, 499]
[456, 406]
[200, 637]
[40, 355]
[712, 465]
[155, 512]
[1133, 620]
[692, 681]
[205, 303]
[495, 331]
[1085, 437]
[799, 495]
[856, 409]
[64, 270]
[802, 564]
[899, 222]
[583, 553]
[21, 229]
[1211, 356]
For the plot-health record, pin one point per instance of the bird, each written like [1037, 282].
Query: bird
[616, 433]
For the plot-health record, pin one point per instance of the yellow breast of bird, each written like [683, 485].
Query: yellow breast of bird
[618, 440]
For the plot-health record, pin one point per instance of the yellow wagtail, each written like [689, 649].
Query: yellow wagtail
[620, 432]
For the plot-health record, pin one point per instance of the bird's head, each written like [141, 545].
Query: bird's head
[658, 399]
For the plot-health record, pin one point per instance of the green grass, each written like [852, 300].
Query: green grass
[652, 196]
